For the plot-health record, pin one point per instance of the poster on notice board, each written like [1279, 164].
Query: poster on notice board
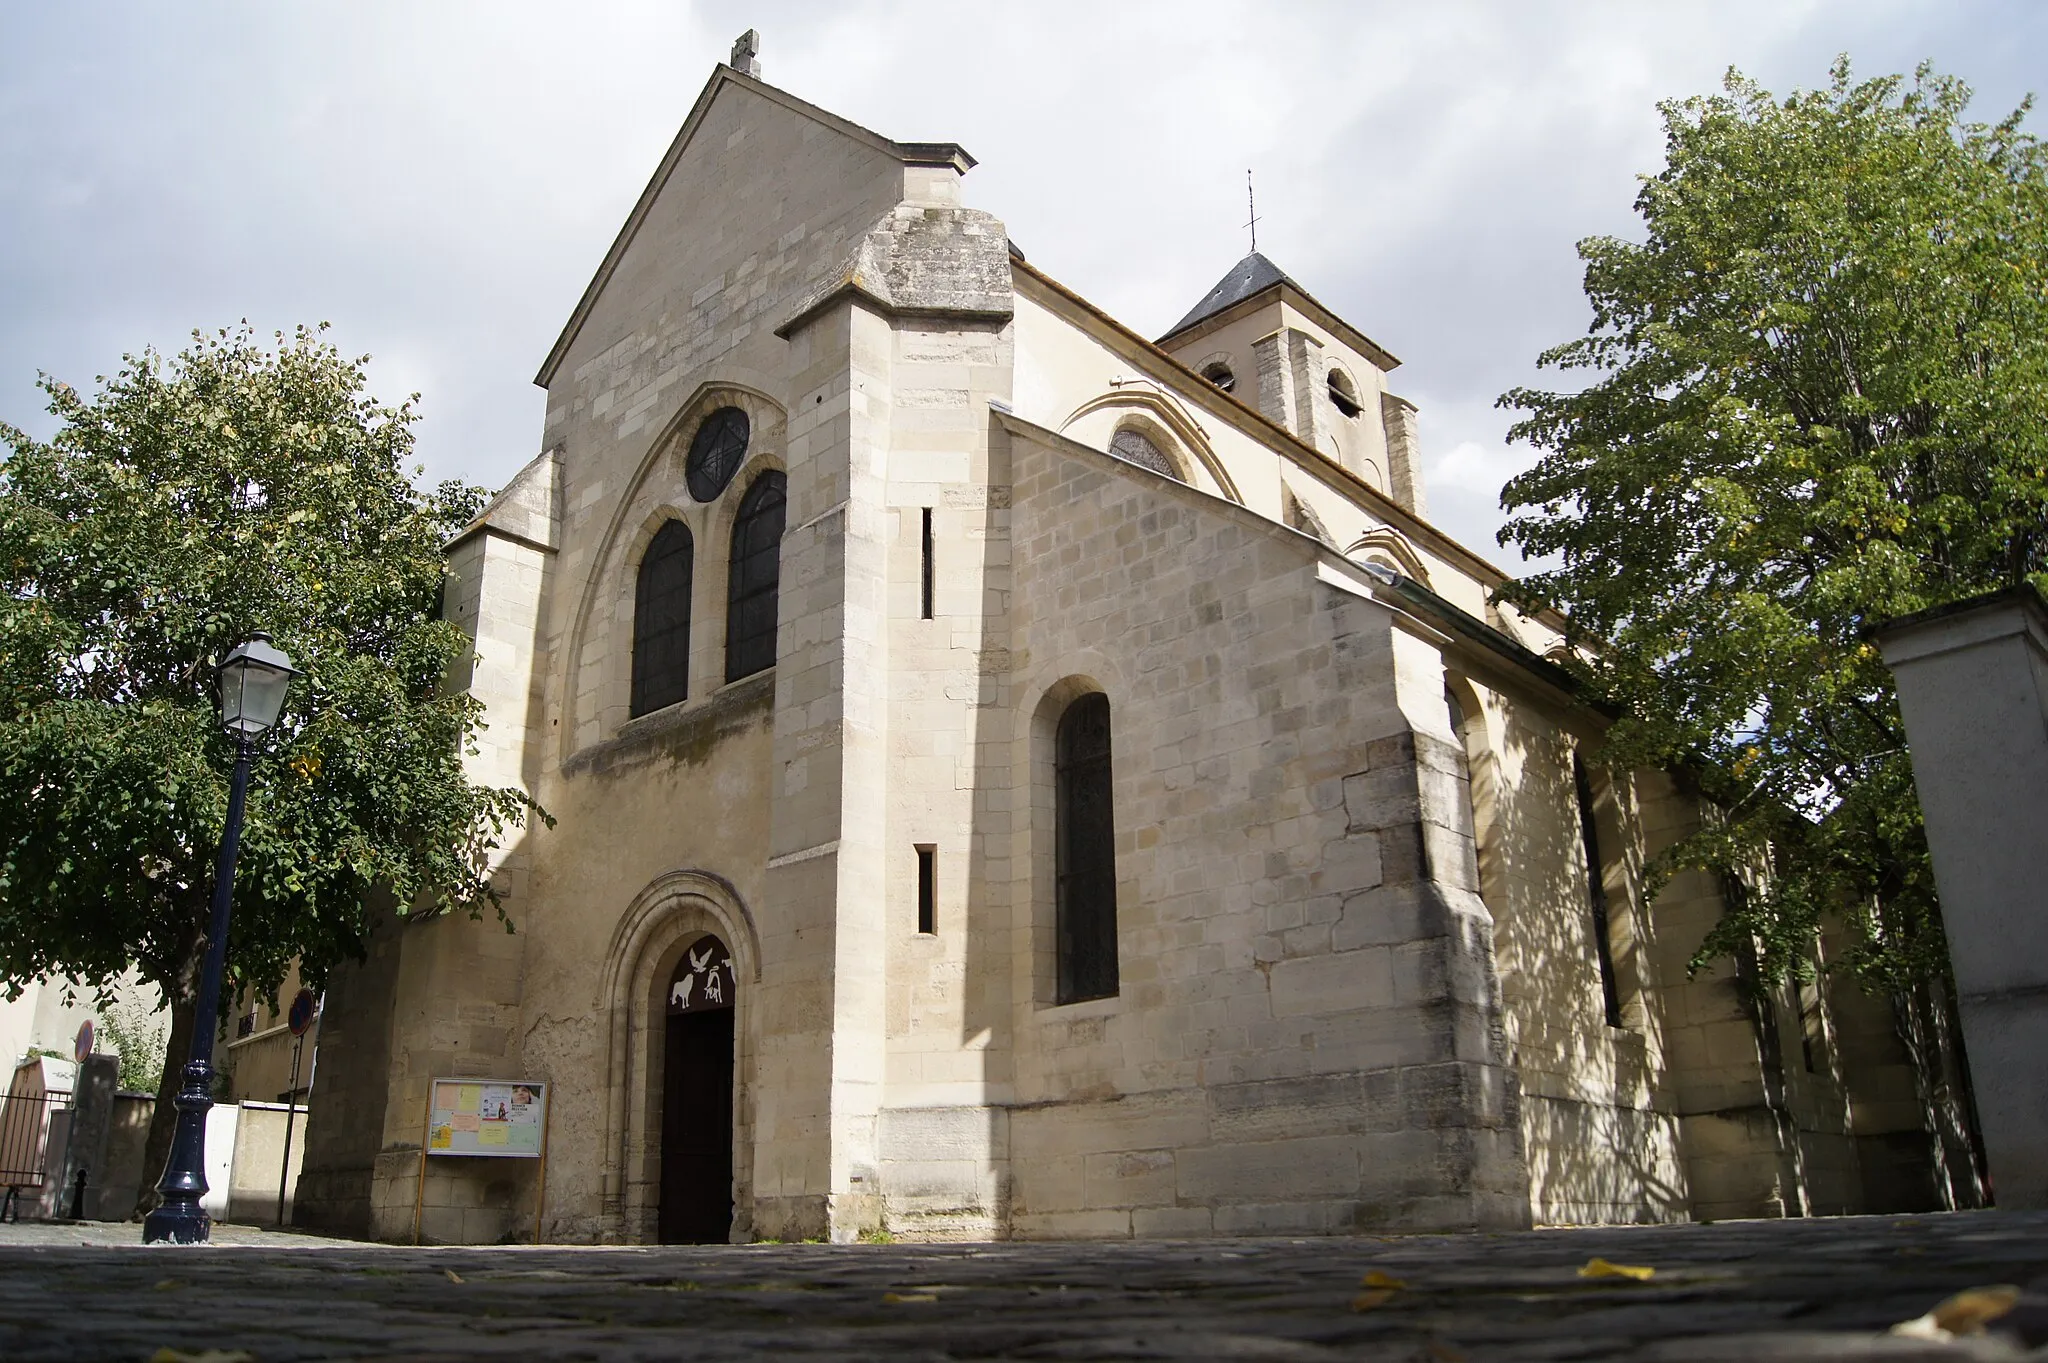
[491, 1117]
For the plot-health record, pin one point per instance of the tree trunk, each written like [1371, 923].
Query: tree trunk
[181, 995]
[1935, 1044]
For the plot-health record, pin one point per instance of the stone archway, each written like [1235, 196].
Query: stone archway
[677, 911]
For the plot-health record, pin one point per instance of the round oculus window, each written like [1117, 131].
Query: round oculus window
[716, 452]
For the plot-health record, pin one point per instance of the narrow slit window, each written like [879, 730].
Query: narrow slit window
[927, 889]
[1596, 889]
[1085, 854]
[925, 585]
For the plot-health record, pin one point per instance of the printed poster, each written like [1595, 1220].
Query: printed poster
[497, 1118]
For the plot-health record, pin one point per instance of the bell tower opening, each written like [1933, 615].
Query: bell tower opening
[696, 1098]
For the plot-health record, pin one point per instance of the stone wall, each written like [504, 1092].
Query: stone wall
[1308, 1034]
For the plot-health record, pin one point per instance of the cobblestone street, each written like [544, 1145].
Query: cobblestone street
[1739, 1290]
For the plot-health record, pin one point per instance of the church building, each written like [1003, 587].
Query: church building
[1012, 777]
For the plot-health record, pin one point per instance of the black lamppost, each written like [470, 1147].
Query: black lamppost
[253, 679]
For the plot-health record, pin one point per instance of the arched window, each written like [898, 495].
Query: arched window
[1344, 393]
[1085, 853]
[1469, 730]
[661, 620]
[1596, 892]
[1133, 444]
[756, 573]
[1220, 375]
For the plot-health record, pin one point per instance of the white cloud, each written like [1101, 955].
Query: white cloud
[440, 180]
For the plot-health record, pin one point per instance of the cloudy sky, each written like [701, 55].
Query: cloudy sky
[439, 180]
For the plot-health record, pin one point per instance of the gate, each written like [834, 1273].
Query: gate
[25, 1120]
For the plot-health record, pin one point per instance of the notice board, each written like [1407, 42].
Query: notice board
[495, 1118]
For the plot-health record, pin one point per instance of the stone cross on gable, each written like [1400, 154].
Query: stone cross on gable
[746, 53]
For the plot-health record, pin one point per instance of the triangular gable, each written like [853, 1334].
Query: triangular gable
[909, 153]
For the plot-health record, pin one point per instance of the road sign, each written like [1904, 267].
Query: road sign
[304, 1007]
[81, 1045]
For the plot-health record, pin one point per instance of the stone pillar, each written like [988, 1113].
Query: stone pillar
[92, 1117]
[1973, 688]
[1311, 375]
[1276, 379]
[1404, 453]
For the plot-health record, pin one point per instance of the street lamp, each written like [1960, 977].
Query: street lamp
[253, 678]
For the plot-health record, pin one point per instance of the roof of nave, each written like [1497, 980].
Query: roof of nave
[1254, 277]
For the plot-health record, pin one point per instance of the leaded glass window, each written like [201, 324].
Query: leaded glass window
[1134, 445]
[1085, 853]
[716, 452]
[661, 620]
[756, 574]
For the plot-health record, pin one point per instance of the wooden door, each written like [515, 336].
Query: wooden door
[696, 1100]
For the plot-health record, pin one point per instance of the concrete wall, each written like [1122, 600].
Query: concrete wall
[259, 1164]
[1973, 692]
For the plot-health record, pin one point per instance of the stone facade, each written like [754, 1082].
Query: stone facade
[1360, 983]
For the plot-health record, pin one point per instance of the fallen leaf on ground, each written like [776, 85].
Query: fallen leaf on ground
[1600, 1268]
[168, 1285]
[1966, 1313]
[453, 1276]
[906, 1298]
[170, 1355]
[1380, 1289]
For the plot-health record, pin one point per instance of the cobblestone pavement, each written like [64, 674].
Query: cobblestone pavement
[1749, 1291]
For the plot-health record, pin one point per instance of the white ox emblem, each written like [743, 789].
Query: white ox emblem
[714, 982]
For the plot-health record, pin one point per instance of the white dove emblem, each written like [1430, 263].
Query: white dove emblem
[697, 962]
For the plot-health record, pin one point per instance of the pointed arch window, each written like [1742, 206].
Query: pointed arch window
[661, 620]
[1085, 853]
[755, 578]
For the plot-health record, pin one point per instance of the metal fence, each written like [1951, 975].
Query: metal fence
[25, 1145]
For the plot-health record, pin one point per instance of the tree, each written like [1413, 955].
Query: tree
[1819, 400]
[186, 504]
[138, 1037]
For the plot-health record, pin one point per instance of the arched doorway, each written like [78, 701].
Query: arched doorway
[696, 1098]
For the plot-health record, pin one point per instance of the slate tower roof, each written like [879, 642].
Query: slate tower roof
[1252, 275]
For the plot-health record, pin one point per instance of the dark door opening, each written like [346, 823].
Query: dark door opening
[696, 1099]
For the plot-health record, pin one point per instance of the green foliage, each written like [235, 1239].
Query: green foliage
[140, 1037]
[186, 504]
[1819, 401]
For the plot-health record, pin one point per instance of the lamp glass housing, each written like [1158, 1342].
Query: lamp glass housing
[253, 680]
